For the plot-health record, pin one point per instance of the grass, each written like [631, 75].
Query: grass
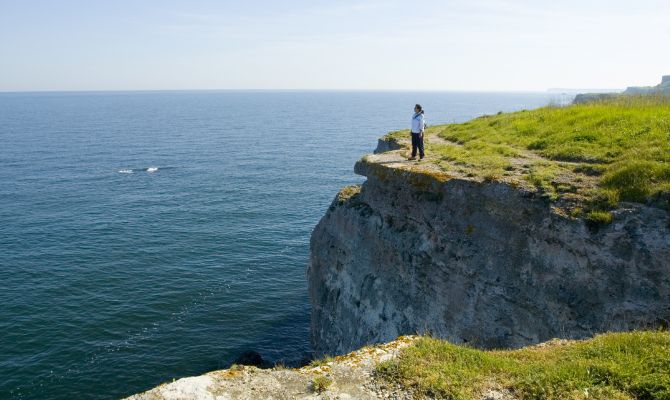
[347, 193]
[599, 217]
[633, 365]
[617, 148]
[320, 362]
[320, 384]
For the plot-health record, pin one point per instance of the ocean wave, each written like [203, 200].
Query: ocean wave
[132, 171]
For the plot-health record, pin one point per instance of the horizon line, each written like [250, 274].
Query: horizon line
[548, 90]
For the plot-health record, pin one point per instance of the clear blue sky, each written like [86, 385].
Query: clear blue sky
[346, 44]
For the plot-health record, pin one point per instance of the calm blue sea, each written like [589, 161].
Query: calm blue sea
[146, 236]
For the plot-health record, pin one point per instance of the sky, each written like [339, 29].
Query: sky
[471, 45]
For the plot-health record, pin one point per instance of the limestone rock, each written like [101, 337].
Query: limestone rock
[349, 377]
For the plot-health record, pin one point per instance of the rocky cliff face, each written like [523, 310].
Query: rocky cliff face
[475, 262]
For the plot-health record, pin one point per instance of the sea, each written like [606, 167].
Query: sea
[149, 236]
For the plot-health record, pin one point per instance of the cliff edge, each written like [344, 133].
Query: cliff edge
[496, 259]
[346, 377]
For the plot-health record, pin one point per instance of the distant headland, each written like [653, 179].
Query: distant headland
[661, 88]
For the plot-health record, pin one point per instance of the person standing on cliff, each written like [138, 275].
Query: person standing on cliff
[418, 127]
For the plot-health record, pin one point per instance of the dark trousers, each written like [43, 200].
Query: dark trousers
[417, 142]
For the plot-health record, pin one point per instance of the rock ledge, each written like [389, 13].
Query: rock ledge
[350, 376]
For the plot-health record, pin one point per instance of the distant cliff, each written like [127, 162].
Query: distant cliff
[661, 88]
[480, 261]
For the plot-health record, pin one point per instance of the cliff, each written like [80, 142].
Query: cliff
[491, 260]
[662, 88]
[516, 229]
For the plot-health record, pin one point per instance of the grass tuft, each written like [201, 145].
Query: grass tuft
[320, 384]
[637, 180]
[598, 218]
[320, 362]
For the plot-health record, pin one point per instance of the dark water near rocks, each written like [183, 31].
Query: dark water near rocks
[146, 236]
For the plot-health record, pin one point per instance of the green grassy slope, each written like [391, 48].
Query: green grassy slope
[591, 156]
[634, 365]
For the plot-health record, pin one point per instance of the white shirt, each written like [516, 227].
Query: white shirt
[418, 123]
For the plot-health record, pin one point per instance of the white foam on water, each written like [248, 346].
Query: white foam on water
[152, 169]
[125, 171]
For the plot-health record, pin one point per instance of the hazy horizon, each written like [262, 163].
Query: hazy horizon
[350, 45]
[346, 90]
